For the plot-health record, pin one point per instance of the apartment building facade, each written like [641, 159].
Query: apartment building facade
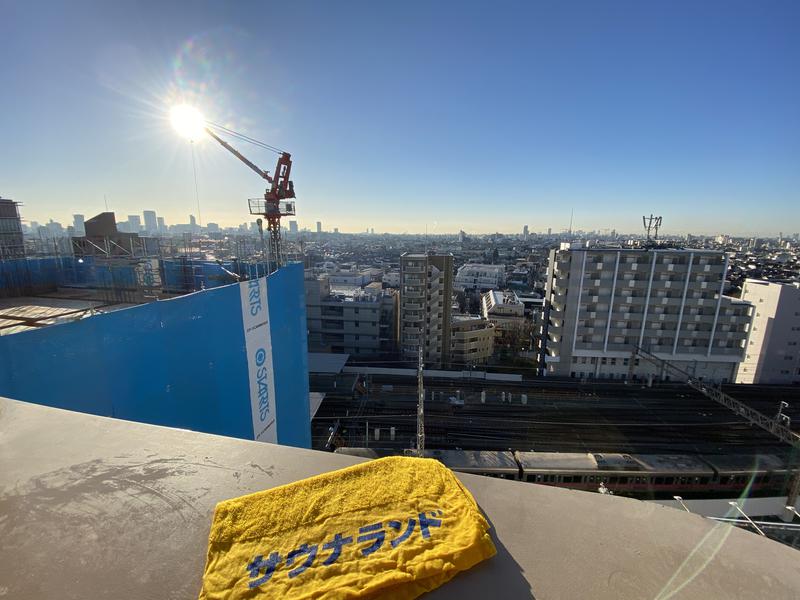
[473, 276]
[504, 310]
[424, 318]
[773, 350]
[602, 303]
[359, 323]
[471, 340]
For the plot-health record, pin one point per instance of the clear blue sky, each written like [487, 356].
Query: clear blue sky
[483, 116]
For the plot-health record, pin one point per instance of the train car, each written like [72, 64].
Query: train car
[639, 476]
[643, 476]
[578, 470]
[658, 476]
[759, 475]
[371, 453]
[667, 475]
[478, 462]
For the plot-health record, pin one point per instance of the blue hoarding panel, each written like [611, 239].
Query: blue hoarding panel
[288, 323]
[179, 362]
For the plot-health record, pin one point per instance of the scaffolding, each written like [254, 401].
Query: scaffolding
[12, 242]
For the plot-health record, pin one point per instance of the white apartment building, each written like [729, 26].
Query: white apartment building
[471, 340]
[504, 310]
[773, 350]
[473, 276]
[426, 290]
[601, 303]
[360, 323]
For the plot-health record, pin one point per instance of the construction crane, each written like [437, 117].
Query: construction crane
[276, 202]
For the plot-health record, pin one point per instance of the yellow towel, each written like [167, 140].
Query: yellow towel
[390, 528]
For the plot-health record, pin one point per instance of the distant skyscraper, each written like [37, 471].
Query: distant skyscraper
[372, 231]
[293, 227]
[150, 222]
[135, 223]
[77, 223]
[55, 229]
[319, 226]
[525, 232]
[549, 231]
[335, 230]
[162, 227]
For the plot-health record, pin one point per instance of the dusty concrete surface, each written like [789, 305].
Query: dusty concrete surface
[92, 507]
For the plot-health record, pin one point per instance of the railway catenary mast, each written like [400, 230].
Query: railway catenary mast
[274, 204]
[777, 426]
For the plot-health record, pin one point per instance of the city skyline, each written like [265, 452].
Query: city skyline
[685, 111]
[311, 228]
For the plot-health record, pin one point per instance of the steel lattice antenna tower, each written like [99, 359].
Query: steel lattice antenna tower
[651, 223]
[420, 409]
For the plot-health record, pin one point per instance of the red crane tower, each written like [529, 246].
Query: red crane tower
[276, 202]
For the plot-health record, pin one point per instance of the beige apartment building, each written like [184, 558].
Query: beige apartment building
[471, 341]
[424, 318]
[773, 350]
[600, 303]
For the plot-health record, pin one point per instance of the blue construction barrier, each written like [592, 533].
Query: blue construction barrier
[230, 360]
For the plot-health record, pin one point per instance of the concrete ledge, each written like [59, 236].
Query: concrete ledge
[92, 507]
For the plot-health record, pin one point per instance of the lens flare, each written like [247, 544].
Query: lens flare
[187, 121]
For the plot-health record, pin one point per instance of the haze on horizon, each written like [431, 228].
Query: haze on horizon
[412, 116]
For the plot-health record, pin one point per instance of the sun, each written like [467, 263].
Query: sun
[187, 121]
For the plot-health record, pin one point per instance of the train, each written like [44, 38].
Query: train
[643, 476]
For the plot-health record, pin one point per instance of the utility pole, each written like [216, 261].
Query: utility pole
[420, 409]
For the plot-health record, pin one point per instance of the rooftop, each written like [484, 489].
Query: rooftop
[125, 509]
[500, 298]
[27, 312]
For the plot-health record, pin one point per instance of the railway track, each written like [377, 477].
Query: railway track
[577, 418]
